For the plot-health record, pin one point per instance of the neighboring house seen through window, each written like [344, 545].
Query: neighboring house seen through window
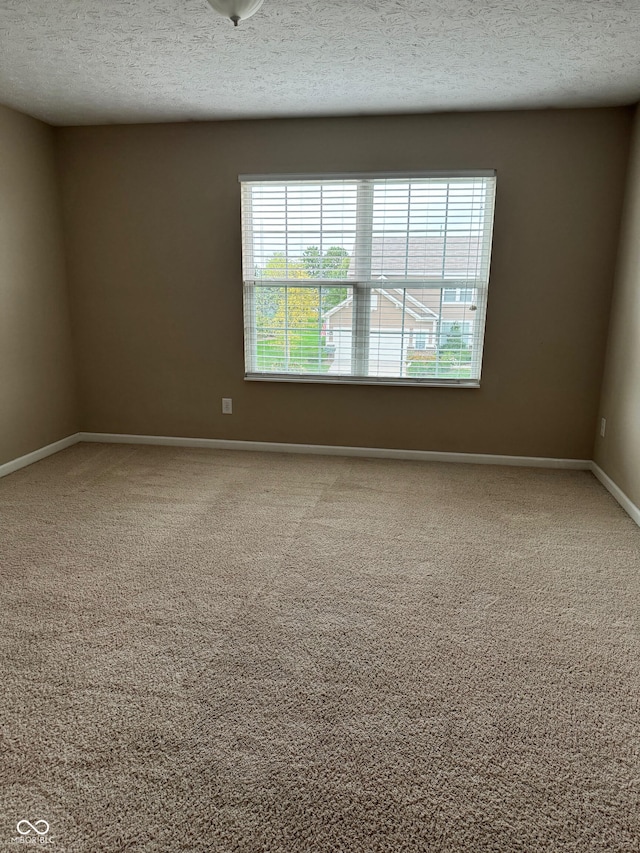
[457, 294]
[367, 278]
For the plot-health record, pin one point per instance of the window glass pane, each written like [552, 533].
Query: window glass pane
[413, 333]
[291, 329]
[300, 229]
[438, 340]
[429, 228]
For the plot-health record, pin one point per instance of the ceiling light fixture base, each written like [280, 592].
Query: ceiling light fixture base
[236, 10]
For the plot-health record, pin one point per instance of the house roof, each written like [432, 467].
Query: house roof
[414, 307]
[426, 257]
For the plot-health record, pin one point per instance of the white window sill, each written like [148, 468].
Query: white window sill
[312, 379]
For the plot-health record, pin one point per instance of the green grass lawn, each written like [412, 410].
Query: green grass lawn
[307, 353]
[443, 370]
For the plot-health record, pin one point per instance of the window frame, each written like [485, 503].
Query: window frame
[361, 286]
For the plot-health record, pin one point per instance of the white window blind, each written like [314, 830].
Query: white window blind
[367, 278]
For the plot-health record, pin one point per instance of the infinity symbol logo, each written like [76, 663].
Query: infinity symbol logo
[33, 826]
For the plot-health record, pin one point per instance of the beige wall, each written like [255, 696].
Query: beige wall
[37, 384]
[618, 453]
[153, 214]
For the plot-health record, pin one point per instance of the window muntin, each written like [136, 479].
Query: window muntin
[367, 279]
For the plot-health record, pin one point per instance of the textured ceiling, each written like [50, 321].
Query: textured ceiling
[99, 61]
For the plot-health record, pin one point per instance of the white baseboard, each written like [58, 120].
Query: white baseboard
[330, 450]
[333, 450]
[626, 503]
[37, 455]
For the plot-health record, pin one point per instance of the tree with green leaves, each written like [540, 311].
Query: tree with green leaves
[335, 263]
[280, 266]
[455, 349]
[312, 261]
[267, 301]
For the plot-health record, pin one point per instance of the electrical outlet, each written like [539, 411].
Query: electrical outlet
[603, 426]
[227, 406]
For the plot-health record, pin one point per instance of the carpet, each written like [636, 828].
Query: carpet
[261, 653]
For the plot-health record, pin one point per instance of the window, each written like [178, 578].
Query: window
[420, 341]
[366, 278]
[458, 294]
